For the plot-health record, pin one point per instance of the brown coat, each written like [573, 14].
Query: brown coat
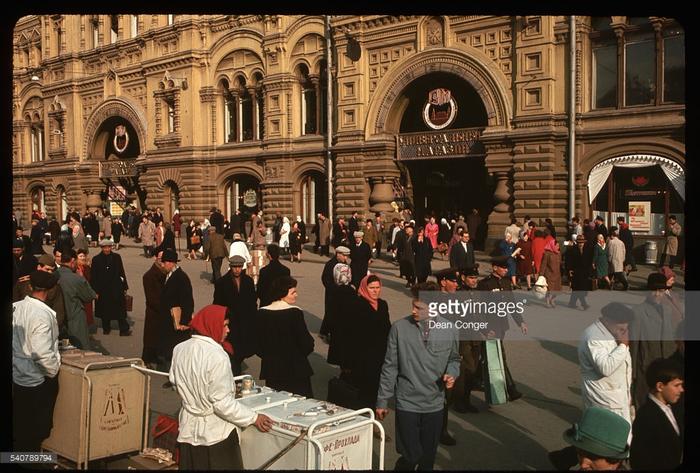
[370, 236]
[324, 232]
[672, 233]
[215, 246]
[153, 283]
[550, 269]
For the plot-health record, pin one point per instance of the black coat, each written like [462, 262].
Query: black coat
[339, 323]
[501, 290]
[37, 237]
[177, 292]
[366, 348]
[168, 241]
[461, 259]
[217, 220]
[268, 274]
[285, 344]
[153, 283]
[353, 225]
[235, 224]
[628, 239]
[582, 266]
[359, 261]
[108, 280]
[27, 265]
[655, 443]
[242, 305]
[65, 241]
[328, 283]
[340, 234]
[423, 253]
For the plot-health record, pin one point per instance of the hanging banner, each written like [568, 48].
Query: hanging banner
[640, 216]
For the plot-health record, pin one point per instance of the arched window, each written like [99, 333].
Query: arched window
[172, 199]
[36, 137]
[38, 203]
[309, 101]
[62, 204]
[240, 111]
[630, 59]
[243, 193]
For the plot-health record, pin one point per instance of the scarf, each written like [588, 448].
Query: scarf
[210, 322]
[550, 246]
[363, 292]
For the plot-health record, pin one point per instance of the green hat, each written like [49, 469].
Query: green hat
[600, 432]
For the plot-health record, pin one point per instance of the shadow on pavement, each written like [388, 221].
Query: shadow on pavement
[566, 351]
[567, 412]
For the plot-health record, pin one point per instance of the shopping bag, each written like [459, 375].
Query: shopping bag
[495, 388]
[541, 287]
[165, 433]
[344, 394]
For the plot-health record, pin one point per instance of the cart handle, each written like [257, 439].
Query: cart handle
[146, 370]
[347, 415]
[112, 363]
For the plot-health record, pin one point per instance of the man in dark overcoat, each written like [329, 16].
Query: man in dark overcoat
[360, 258]
[579, 265]
[236, 291]
[153, 283]
[462, 253]
[342, 253]
[176, 308]
[273, 270]
[110, 284]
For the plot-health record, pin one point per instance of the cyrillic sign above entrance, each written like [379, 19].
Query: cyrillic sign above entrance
[456, 143]
[111, 169]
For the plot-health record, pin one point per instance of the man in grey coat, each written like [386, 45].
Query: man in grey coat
[420, 364]
[652, 335]
[76, 292]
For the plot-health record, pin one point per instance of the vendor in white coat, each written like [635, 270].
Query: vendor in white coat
[605, 361]
[211, 416]
[239, 247]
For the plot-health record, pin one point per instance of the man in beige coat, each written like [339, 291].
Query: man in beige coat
[324, 234]
[147, 234]
[616, 255]
[671, 249]
[215, 250]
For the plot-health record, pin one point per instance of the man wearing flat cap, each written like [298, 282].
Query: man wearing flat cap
[579, 263]
[342, 253]
[236, 291]
[110, 284]
[652, 334]
[35, 365]
[176, 308]
[600, 440]
[501, 288]
[605, 361]
[360, 258]
[54, 296]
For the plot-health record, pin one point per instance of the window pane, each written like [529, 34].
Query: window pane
[640, 72]
[247, 105]
[600, 23]
[674, 69]
[605, 76]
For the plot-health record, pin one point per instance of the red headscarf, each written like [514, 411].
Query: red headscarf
[550, 246]
[210, 322]
[363, 292]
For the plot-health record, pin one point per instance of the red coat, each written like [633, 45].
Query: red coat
[538, 244]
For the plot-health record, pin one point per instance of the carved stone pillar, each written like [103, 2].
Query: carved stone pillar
[499, 161]
[93, 201]
[254, 111]
[382, 195]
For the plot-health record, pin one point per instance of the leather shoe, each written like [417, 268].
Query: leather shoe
[514, 395]
[463, 407]
[126, 334]
[447, 439]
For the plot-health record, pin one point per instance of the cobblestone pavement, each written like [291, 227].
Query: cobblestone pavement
[516, 435]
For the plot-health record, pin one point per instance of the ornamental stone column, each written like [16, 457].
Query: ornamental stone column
[382, 195]
[499, 161]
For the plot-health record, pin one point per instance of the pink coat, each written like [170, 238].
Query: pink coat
[538, 244]
[431, 231]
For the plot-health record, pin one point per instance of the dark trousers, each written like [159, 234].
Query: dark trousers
[147, 251]
[417, 437]
[32, 411]
[216, 268]
[107, 324]
[324, 250]
[578, 296]
[622, 278]
[225, 455]
[378, 246]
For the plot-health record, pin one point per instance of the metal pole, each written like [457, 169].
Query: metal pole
[572, 116]
[329, 117]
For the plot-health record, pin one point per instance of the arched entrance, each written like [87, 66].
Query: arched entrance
[171, 198]
[313, 196]
[242, 193]
[38, 199]
[444, 162]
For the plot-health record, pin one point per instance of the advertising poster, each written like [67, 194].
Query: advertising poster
[640, 216]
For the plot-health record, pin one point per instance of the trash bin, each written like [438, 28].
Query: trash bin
[651, 252]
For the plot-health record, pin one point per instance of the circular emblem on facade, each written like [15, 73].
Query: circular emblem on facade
[250, 198]
[121, 139]
[440, 110]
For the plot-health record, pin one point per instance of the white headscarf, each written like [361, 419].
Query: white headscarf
[342, 274]
[285, 220]
[298, 218]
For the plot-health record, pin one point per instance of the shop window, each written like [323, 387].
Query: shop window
[630, 59]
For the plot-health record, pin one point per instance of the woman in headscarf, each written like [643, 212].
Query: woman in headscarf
[340, 318]
[671, 298]
[284, 235]
[79, 240]
[284, 341]
[600, 260]
[551, 270]
[372, 325]
[295, 242]
[444, 237]
[210, 417]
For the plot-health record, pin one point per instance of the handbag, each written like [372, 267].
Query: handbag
[195, 240]
[541, 287]
[165, 433]
[128, 302]
[344, 394]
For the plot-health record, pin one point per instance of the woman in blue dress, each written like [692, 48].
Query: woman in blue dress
[507, 248]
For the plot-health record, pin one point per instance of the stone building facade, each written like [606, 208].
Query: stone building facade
[440, 113]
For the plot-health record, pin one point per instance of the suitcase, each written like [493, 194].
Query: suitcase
[495, 386]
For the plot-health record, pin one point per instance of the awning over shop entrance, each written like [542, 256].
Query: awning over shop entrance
[599, 174]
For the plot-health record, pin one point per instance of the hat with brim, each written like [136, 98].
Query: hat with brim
[600, 432]
[500, 261]
[169, 256]
[106, 242]
[450, 274]
[47, 260]
[581, 238]
[657, 281]
[470, 272]
[236, 260]
[42, 280]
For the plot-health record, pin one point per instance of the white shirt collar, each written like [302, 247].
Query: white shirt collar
[666, 409]
[279, 305]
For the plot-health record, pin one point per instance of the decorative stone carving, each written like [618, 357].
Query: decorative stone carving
[434, 36]
[382, 195]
